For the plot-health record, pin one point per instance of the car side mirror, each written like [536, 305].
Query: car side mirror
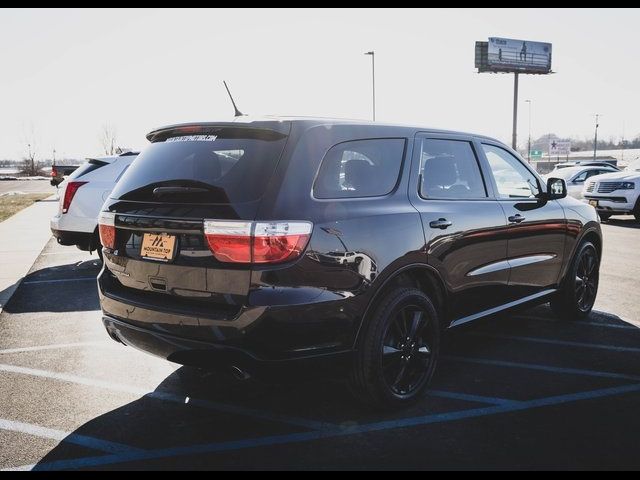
[556, 188]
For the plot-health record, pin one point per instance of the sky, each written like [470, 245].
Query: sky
[64, 74]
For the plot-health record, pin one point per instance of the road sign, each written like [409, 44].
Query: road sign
[559, 147]
[535, 154]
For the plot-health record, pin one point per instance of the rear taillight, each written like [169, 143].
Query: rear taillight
[107, 229]
[69, 193]
[54, 172]
[256, 242]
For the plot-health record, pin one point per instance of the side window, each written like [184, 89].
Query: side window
[360, 168]
[449, 169]
[583, 176]
[512, 178]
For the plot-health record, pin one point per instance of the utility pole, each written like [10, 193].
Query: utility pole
[595, 138]
[373, 80]
[514, 136]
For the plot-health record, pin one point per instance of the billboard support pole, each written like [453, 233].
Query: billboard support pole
[514, 135]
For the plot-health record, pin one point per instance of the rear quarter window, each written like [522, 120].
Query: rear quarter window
[360, 168]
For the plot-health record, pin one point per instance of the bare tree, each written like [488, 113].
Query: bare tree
[108, 139]
[30, 166]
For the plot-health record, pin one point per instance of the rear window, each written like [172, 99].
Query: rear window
[229, 165]
[85, 168]
[361, 168]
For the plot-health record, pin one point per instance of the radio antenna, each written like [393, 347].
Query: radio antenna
[237, 113]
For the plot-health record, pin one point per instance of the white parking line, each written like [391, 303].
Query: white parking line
[69, 437]
[550, 341]
[56, 346]
[167, 396]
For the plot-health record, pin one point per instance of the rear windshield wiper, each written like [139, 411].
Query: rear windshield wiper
[159, 191]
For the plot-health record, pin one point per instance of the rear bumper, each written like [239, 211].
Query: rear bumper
[257, 338]
[216, 356]
[84, 241]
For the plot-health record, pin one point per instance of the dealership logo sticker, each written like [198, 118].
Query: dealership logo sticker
[193, 138]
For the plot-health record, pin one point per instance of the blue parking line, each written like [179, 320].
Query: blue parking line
[542, 368]
[238, 410]
[88, 462]
[469, 397]
[60, 280]
[550, 341]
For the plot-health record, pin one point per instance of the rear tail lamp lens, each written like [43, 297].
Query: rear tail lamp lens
[69, 193]
[107, 229]
[256, 242]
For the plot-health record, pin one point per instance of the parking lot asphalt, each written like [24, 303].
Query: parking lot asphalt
[27, 186]
[520, 391]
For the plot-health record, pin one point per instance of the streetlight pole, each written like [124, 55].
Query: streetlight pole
[373, 80]
[529, 142]
[514, 136]
[595, 138]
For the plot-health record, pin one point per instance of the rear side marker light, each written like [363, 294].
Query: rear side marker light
[107, 229]
[69, 193]
[256, 242]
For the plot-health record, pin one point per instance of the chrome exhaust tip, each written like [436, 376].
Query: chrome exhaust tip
[239, 374]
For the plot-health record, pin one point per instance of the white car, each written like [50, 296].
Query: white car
[615, 193]
[575, 177]
[81, 197]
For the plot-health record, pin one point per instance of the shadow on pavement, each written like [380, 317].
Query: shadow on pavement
[62, 288]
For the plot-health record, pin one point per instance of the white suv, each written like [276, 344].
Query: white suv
[615, 193]
[81, 197]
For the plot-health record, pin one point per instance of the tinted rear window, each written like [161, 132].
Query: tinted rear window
[230, 165]
[360, 168]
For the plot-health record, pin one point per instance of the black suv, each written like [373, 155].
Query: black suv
[268, 245]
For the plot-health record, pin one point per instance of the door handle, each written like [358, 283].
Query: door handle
[441, 223]
[517, 218]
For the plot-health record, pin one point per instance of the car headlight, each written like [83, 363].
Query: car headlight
[627, 185]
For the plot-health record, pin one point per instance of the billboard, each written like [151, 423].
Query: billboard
[510, 55]
[559, 147]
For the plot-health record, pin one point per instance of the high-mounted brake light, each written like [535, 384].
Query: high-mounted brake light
[256, 242]
[69, 193]
[107, 229]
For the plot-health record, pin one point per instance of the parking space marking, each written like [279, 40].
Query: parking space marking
[56, 346]
[469, 397]
[60, 280]
[629, 325]
[68, 437]
[543, 368]
[169, 397]
[223, 407]
[550, 341]
[235, 445]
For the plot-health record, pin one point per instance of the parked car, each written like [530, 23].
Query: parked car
[220, 240]
[615, 193]
[583, 163]
[59, 172]
[81, 197]
[575, 177]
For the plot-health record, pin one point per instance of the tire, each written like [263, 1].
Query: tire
[578, 293]
[604, 216]
[389, 372]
